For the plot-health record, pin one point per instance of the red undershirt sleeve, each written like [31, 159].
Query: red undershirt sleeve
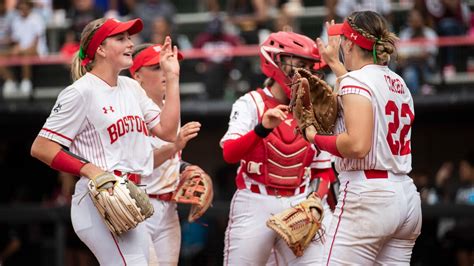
[234, 150]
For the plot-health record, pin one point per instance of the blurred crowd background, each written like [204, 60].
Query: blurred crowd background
[219, 39]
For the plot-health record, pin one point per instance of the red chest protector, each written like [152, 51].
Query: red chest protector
[279, 160]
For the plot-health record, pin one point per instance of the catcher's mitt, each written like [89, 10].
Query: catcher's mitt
[298, 225]
[122, 211]
[313, 103]
[195, 187]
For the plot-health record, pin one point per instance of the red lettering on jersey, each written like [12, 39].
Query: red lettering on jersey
[121, 127]
[112, 129]
[145, 129]
[130, 118]
[126, 125]
[394, 85]
[126, 122]
[139, 123]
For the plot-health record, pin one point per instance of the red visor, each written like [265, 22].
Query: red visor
[109, 28]
[351, 34]
[148, 57]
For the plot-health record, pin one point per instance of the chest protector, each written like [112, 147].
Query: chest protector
[280, 160]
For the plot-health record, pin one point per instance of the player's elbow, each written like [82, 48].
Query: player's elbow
[229, 156]
[358, 151]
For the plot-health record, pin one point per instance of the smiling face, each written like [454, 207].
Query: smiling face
[117, 50]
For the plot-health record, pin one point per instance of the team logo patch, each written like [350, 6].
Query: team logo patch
[57, 108]
[109, 109]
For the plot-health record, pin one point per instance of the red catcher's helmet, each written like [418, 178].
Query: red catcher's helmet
[286, 44]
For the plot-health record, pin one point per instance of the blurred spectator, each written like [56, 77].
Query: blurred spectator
[249, 16]
[462, 235]
[44, 8]
[149, 10]
[449, 18]
[343, 8]
[80, 13]
[10, 244]
[161, 28]
[5, 46]
[29, 39]
[285, 19]
[417, 62]
[215, 67]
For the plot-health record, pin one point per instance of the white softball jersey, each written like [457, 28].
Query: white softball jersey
[165, 178]
[393, 111]
[243, 119]
[109, 126]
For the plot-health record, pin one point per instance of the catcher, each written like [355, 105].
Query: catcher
[101, 125]
[278, 170]
[173, 181]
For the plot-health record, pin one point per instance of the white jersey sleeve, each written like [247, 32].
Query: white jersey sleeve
[243, 118]
[349, 85]
[66, 118]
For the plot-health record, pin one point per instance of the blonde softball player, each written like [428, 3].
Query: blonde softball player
[163, 226]
[276, 165]
[102, 123]
[378, 216]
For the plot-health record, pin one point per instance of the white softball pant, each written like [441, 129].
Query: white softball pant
[376, 221]
[130, 248]
[165, 231]
[248, 241]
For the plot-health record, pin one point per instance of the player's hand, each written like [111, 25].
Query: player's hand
[169, 58]
[274, 116]
[330, 52]
[188, 131]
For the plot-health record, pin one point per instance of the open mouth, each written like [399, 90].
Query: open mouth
[127, 54]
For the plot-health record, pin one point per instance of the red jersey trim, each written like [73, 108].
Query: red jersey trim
[356, 87]
[57, 134]
[153, 119]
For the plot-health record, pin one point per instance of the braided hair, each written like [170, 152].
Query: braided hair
[374, 27]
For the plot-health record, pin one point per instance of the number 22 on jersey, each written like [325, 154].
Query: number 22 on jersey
[400, 146]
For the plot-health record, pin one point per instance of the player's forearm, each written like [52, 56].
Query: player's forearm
[52, 154]
[170, 115]
[351, 146]
[163, 154]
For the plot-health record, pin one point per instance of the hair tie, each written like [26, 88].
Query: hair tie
[374, 52]
[82, 54]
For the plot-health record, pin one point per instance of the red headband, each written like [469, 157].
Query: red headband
[109, 28]
[351, 34]
[148, 57]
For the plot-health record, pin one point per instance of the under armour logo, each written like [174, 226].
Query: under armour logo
[157, 48]
[57, 108]
[111, 109]
[234, 116]
[353, 36]
[288, 121]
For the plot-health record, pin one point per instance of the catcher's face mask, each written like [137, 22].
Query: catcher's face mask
[289, 64]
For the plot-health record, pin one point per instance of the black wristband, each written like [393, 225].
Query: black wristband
[183, 165]
[261, 131]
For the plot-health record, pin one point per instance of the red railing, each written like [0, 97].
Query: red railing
[244, 50]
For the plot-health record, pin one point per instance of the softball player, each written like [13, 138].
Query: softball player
[102, 122]
[276, 165]
[378, 216]
[163, 226]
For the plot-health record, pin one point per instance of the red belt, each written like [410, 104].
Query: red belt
[164, 197]
[135, 178]
[370, 174]
[283, 192]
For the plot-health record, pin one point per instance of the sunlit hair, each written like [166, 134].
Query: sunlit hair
[77, 70]
[374, 27]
